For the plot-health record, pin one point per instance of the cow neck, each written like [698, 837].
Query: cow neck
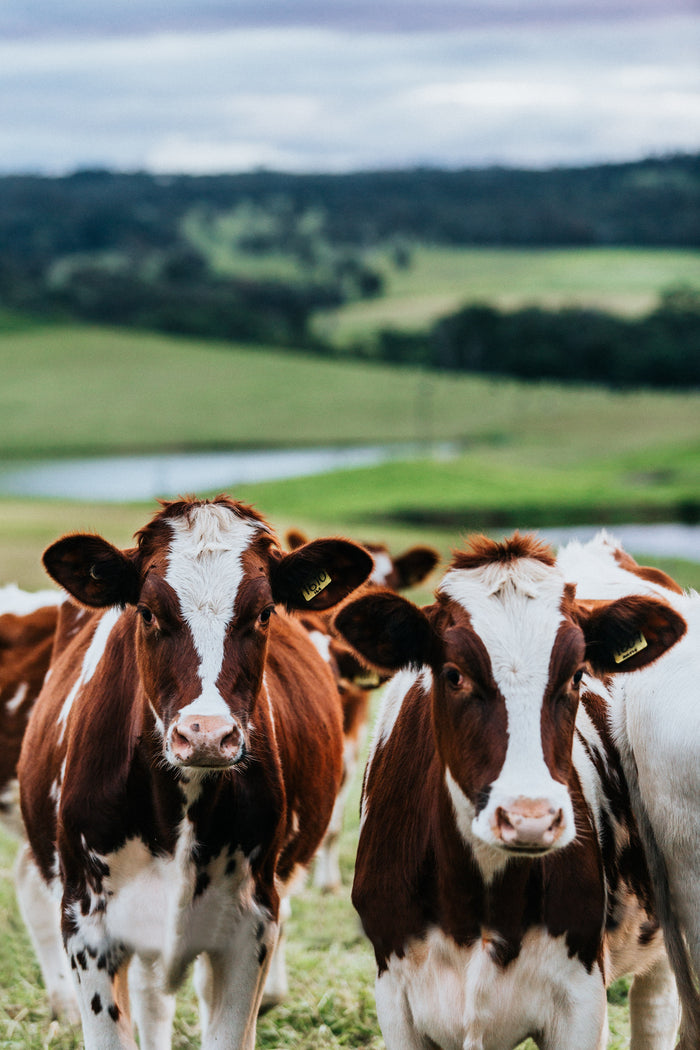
[499, 906]
[232, 809]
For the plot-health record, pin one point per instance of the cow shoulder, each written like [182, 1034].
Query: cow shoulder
[392, 889]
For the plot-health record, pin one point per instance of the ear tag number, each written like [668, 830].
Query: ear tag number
[634, 647]
[316, 585]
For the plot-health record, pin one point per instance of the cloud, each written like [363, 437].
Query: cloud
[320, 98]
[85, 17]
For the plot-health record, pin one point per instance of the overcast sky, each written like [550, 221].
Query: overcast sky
[303, 85]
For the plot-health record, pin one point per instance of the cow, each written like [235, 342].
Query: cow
[355, 682]
[499, 873]
[27, 629]
[181, 762]
[656, 727]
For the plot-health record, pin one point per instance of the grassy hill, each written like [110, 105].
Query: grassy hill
[442, 279]
[71, 389]
[525, 455]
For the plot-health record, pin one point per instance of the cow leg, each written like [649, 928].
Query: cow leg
[101, 985]
[395, 1018]
[582, 1022]
[231, 984]
[654, 1008]
[327, 865]
[277, 984]
[153, 1008]
[41, 916]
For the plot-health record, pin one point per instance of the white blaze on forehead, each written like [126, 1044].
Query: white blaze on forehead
[205, 569]
[383, 567]
[515, 609]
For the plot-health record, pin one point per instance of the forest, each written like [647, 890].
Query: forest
[253, 257]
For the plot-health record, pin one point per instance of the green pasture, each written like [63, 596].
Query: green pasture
[490, 454]
[440, 280]
[82, 390]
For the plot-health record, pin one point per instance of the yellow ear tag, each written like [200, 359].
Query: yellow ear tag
[370, 680]
[315, 586]
[635, 646]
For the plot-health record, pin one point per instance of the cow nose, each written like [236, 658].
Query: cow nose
[525, 823]
[207, 740]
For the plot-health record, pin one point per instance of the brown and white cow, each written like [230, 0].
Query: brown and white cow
[499, 873]
[181, 762]
[27, 629]
[356, 682]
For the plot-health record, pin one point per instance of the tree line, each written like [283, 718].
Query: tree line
[253, 256]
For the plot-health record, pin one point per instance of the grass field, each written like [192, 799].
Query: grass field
[441, 280]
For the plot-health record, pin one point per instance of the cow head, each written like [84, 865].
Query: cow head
[200, 588]
[508, 644]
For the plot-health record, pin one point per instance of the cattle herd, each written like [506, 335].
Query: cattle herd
[181, 721]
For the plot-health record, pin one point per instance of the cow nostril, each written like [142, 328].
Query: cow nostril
[195, 727]
[180, 741]
[502, 819]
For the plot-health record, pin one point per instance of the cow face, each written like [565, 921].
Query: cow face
[201, 587]
[507, 645]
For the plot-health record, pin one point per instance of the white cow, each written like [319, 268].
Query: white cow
[657, 731]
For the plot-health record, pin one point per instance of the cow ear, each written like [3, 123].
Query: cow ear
[295, 539]
[320, 574]
[629, 633]
[386, 630]
[93, 571]
[414, 565]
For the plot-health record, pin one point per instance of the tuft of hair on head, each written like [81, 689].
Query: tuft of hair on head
[481, 550]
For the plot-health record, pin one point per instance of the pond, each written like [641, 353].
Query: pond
[133, 478]
[122, 479]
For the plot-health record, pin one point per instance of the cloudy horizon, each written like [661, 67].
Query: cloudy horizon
[294, 85]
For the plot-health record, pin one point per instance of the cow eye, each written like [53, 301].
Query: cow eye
[264, 617]
[146, 614]
[453, 676]
[576, 680]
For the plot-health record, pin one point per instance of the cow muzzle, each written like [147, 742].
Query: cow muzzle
[529, 825]
[208, 741]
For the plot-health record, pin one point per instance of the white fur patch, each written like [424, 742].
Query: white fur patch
[17, 700]
[459, 997]
[322, 644]
[91, 660]
[14, 600]
[383, 568]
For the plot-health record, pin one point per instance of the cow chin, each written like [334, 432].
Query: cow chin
[202, 770]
